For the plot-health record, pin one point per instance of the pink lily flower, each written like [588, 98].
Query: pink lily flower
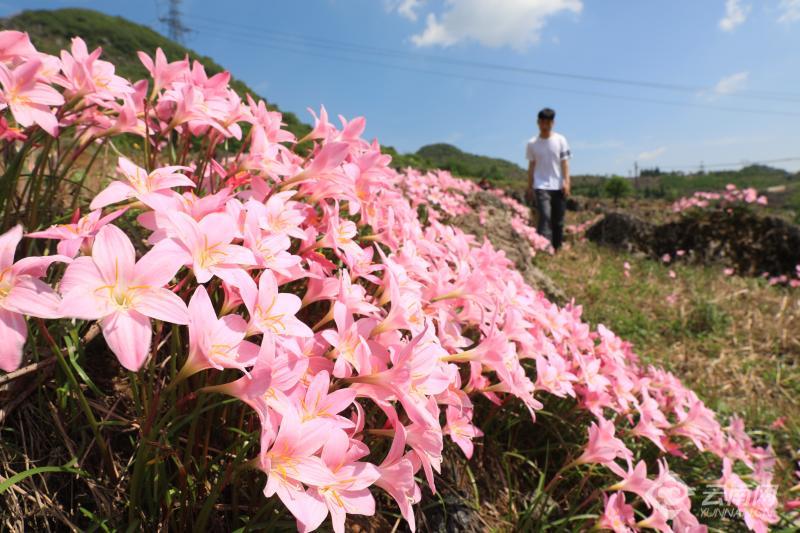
[272, 312]
[22, 293]
[123, 294]
[290, 461]
[347, 489]
[603, 447]
[397, 476]
[137, 183]
[215, 342]
[78, 236]
[162, 71]
[618, 515]
[459, 427]
[206, 246]
[85, 75]
[345, 340]
[633, 480]
[268, 385]
[318, 402]
[15, 45]
[427, 443]
[29, 98]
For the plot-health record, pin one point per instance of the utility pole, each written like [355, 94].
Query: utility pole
[175, 27]
[636, 175]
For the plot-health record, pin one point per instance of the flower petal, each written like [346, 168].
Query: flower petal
[158, 266]
[128, 335]
[34, 297]
[116, 191]
[114, 255]
[13, 331]
[162, 304]
[8, 245]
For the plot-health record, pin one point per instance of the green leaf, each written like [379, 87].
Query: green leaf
[66, 469]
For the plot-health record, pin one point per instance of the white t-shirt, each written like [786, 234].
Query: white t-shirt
[548, 154]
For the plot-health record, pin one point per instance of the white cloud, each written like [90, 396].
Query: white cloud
[514, 23]
[731, 84]
[406, 8]
[735, 14]
[790, 11]
[651, 154]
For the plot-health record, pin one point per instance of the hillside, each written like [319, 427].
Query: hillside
[51, 31]
[449, 157]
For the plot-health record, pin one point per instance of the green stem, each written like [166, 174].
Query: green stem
[87, 410]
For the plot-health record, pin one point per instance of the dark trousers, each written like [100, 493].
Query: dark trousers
[550, 207]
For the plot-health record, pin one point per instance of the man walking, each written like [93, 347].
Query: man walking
[548, 177]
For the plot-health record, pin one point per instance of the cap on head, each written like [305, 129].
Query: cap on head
[547, 114]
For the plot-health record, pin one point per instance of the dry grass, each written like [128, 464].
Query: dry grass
[734, 340]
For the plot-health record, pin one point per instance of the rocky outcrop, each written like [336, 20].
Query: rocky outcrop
[741, 239]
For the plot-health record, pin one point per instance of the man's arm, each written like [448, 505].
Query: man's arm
[529, 189]
[565, 174]
[531, 166]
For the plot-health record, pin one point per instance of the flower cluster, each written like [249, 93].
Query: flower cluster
[787, 280]
[313, 277]
[731, 196]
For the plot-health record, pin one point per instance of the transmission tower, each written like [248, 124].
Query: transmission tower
[175, 27]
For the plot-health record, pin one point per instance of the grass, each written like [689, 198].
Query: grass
[735, 341]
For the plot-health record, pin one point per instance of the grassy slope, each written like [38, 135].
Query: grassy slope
[735, 341]
[120, 39]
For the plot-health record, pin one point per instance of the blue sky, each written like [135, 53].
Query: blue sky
[410, 67]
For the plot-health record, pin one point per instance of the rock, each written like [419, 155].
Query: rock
[750, 243]
[453, 515]
[621, 231]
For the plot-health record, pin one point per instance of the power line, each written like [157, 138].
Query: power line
[289, 47]
[732, 164]
[402, 54]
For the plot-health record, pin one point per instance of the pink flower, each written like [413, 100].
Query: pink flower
[271, 312]
[215, 342]
[666, 258]
[137, 183]
[85, 75]
[112, 287]
[729, 272]
[603, 447]
[290, 461]
[22, 293]
[459, 427]
[319, 402]
[346, 490]
[77, 236]
[29, 98]
[672, 274]
[15, 45]
[206, 247]
[618, 515]
[634, 480]
[397, 476]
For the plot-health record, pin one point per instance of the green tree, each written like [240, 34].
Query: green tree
[617, 187]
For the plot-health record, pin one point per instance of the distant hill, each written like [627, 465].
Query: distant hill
[499, 172]
[462, 163]
[120, 39]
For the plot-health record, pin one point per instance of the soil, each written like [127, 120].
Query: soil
[749, 243]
